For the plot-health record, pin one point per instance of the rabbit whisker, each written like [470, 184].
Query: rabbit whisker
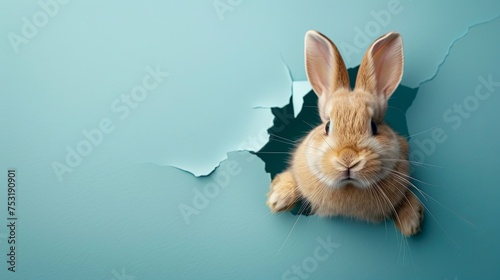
[426, 195]
[406, 181]
[321, 135]
[293, 143]
[399, 220]
[418, 133]
[411, 161]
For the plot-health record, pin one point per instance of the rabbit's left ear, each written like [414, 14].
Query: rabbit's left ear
[325, 68]
[382, 67]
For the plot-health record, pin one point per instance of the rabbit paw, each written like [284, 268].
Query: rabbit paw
[283, 194]
[410, 216]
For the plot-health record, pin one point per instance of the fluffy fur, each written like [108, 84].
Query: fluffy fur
[348, 170]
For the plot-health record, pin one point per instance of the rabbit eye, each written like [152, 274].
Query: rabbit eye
[374, 128]
[327, 127]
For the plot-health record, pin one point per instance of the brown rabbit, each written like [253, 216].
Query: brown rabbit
[353, 164]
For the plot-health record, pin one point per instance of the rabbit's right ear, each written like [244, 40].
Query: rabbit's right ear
[325, 67]
[381, 70]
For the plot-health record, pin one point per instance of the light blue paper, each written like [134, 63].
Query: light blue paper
[205, 74]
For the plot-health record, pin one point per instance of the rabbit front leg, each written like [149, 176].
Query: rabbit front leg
[284, 193]
[410, 215]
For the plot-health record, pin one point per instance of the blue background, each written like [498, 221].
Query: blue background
[66, 65]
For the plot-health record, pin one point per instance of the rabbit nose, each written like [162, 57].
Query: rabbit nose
[350, 165]
[348, 159]
[353, 164]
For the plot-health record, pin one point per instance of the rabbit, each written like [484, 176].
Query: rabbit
[353, 164]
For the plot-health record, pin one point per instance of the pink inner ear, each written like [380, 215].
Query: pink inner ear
[325, 67]
[321, 69]
[388, 64]
[323, 49]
